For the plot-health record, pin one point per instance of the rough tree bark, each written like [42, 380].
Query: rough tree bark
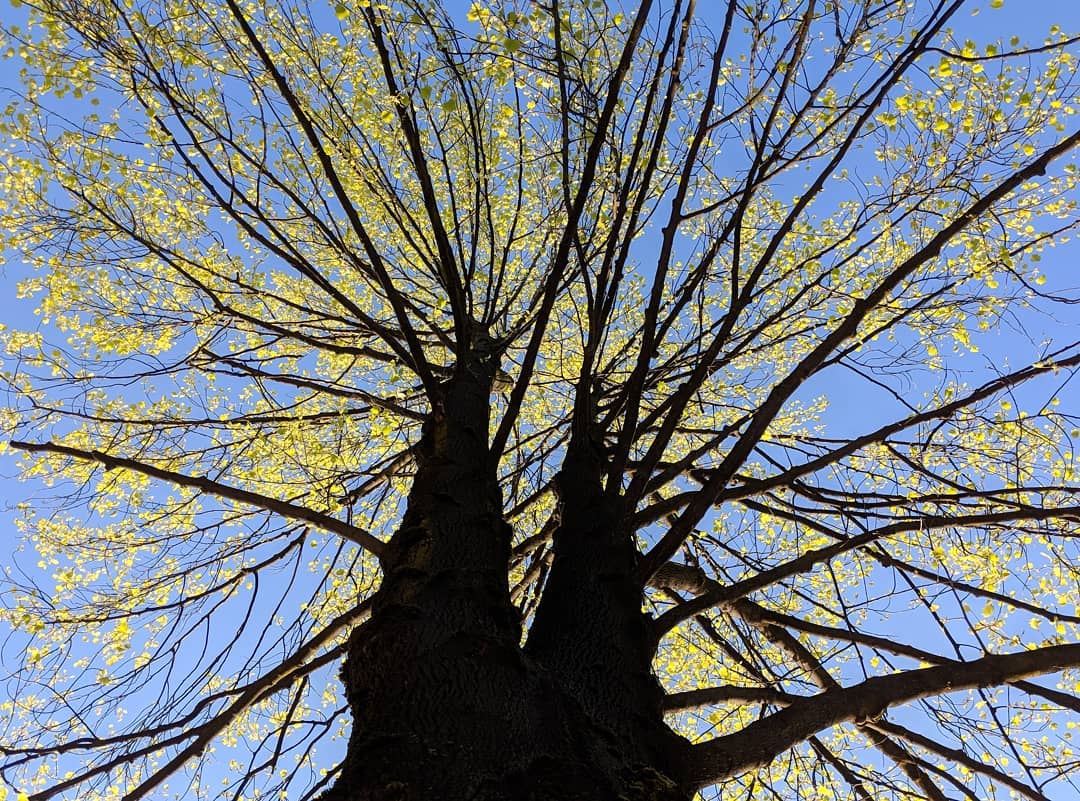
[447, 702]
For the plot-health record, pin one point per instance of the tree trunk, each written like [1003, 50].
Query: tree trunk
[446, 702]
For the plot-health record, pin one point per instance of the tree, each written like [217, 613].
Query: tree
[487, 359]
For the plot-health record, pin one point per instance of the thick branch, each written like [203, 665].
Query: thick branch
[289, 510]
[957, 755]
[757, 744]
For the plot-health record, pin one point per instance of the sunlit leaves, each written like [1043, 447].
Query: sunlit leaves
[206, 303]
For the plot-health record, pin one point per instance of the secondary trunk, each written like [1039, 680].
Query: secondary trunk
[446, 703]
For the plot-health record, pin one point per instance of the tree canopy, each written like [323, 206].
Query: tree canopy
[782, 287]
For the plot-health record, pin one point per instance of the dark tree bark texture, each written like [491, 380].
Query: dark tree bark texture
[447, 701]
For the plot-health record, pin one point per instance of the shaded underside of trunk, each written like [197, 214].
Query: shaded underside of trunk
[446, 702]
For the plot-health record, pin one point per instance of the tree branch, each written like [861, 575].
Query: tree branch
[761, 741]
[725, 694]
[291, 511]
[301, 663]
[846, 329]
[719, 595]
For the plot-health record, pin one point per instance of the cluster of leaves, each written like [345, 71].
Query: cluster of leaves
[255, 235]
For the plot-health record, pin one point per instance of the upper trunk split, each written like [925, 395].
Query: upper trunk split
[446, 702]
